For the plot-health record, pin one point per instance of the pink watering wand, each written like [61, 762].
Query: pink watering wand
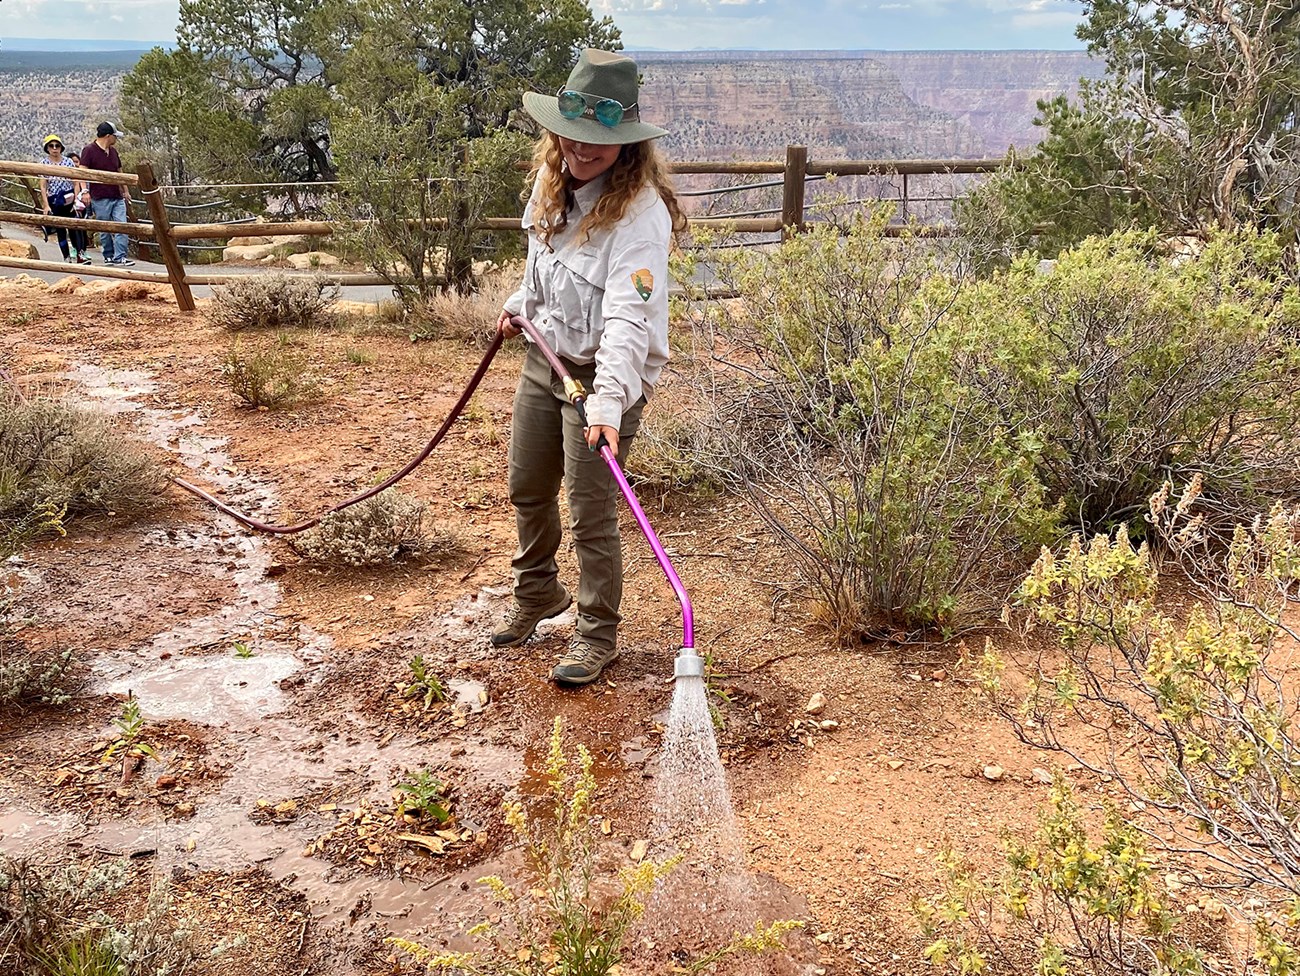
[688, 664]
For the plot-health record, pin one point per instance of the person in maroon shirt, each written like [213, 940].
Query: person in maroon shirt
[108, 201]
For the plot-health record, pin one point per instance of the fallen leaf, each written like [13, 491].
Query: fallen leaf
[435, 845]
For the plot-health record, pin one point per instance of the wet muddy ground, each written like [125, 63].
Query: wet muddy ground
[272, 690]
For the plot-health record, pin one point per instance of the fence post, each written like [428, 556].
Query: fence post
[796, 171]
[171, 255]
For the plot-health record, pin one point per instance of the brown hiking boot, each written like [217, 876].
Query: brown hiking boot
[583, 662]
[521, 622]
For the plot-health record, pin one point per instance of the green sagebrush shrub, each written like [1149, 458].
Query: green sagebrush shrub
[387, 528]
[850, 409]
[912, 435]
[58, 461]
[1133, 367]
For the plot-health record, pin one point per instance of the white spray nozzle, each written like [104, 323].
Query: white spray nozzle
[688, 664]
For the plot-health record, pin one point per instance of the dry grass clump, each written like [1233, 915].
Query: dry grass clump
[388, 528]
[270, 377]
[467, 318]
[58, 460]
[272, 301]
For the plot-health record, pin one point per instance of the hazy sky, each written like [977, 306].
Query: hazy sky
[668, 24]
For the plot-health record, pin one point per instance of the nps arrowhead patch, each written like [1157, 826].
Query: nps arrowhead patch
[644, 283]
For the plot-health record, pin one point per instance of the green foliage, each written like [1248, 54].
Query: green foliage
[129, 742]
[1131, 366]
[1064, 903]
[1192, 129]
[912, 434]
[271, 377]
[59, 461]
[424, 684]
[854, 416]
[423, 795]
[382, 530]
[564, 917]
[243, 650]
[1071, 188]
[31, 678]
[53, 923]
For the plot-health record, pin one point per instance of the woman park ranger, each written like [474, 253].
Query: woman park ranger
[600, 217]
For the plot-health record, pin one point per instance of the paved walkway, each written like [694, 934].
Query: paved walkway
[49, 251]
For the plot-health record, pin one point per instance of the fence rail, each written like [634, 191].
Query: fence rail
[795, 172]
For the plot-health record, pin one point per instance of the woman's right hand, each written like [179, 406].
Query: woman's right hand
[504, 325]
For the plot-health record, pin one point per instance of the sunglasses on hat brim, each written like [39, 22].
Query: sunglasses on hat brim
[608, 112]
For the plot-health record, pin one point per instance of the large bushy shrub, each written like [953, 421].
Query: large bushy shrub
[1135, 367]
[913, 434]
[853, 413]
[273, 300]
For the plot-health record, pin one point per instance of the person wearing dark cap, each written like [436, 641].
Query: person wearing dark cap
[600, 217]
[108, 201]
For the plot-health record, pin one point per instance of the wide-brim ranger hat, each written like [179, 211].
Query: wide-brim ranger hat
[599, 76]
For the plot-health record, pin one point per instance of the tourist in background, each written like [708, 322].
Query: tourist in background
[60, 196]
[107, 200]
[600, 220]
[82, 208]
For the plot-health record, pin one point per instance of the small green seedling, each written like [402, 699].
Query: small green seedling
[130, 725]
[422, 795]
[425, 684]
[242, 649]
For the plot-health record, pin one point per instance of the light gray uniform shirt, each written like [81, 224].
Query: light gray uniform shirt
[603, 299]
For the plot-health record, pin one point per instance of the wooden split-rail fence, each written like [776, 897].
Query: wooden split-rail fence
[795, 172]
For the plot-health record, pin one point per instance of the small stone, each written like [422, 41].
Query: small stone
[184, 809]
[895, 764]
[638, 851]
[993, 773]
[829, 725]
[1040, 775]
[939, 675]
[833, 778]
[816, 704]
[826, 937]
[166, 782]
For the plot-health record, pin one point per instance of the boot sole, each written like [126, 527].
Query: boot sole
[532, 630]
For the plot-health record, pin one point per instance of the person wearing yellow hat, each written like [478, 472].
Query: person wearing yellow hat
[60, 195]
[600, 218]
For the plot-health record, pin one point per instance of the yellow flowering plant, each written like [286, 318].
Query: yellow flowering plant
[569, 918]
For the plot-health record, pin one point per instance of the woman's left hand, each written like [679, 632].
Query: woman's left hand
[611, 435]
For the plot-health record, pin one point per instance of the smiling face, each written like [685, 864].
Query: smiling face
[587, 161]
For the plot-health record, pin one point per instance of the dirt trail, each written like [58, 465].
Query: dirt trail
[284, 761]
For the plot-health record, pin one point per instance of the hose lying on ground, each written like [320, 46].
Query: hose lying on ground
[371, 492]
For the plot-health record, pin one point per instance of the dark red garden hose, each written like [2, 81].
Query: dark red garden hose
[371, 492]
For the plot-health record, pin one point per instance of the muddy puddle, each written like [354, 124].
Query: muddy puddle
[189, 671]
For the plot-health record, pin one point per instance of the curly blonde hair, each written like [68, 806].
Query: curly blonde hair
[639, 164]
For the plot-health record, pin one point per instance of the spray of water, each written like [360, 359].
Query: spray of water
[710, 896]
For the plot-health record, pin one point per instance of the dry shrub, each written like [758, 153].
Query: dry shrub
[270, 377]
[468, 318]
[31, 678]
[58, 460]
[388, 528]
[272, 301]
[52, 921]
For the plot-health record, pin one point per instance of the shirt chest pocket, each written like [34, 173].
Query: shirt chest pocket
[577, 290]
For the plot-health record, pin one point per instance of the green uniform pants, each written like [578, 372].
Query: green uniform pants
[547, 445]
